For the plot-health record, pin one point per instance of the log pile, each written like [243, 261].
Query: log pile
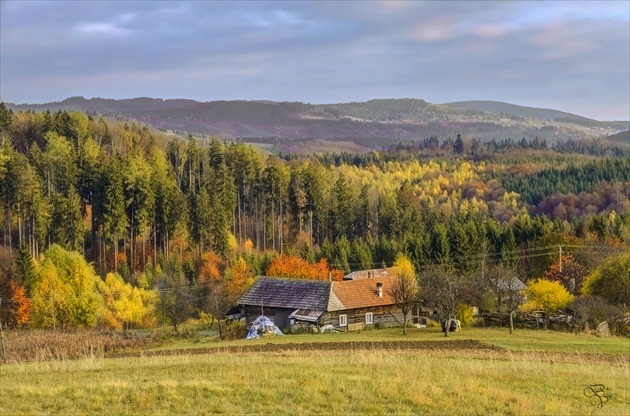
[569, 321]
[533, 319]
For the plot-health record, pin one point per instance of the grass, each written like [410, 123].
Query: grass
[337, 382]
[540, 372]
[521, 340]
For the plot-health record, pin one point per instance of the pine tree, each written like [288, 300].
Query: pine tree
[509, 254]
[114, 217]
[25, 269]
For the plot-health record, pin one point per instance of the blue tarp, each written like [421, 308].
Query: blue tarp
[262, 325]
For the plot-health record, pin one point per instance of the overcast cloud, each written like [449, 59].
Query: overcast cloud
[571, 56]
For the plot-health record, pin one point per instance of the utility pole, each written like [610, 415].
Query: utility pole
[4, 351]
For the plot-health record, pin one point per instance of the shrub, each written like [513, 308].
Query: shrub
[594, 310]
[620, 325]
[546, 295]
[235, 330]
[432, 324]
[464, 313]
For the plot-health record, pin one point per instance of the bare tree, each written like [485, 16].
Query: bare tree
[508, 290]
[176, 301]
[218, 305]
[444, 290]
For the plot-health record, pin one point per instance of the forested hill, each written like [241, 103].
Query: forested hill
[295, 127]
[544, 114]
[622, 138]
[120, 216]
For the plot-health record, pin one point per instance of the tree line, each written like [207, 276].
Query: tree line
[153, 209]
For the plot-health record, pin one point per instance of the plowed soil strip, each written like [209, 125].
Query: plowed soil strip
[461, 345]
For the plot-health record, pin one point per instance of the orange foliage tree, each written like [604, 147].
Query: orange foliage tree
[209, 272]
[294, 267]
[210, 280]
[568, 272]
[20, 311]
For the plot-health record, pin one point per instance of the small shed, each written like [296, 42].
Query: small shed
[280, 298]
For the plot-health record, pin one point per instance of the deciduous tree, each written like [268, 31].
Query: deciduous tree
[611, 280]
[567, 271]
[175, 302]
[405, 289]
[65, 291]
[123, 304]
[20, 308]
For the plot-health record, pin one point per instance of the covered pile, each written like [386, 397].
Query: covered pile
[262, 326]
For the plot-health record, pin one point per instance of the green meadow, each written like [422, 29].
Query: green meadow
[531, 373]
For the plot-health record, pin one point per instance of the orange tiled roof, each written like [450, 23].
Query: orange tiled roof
[361, 293]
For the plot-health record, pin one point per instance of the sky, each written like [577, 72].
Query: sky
[572, 56]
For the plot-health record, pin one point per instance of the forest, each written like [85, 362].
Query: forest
[109, 223]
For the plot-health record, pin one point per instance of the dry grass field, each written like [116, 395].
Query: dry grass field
[540, 378]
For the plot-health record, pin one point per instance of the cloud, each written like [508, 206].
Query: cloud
[572, 54]
[104, 28]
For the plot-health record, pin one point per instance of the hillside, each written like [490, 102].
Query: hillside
[622, 138]
[543, 114]
[367, 125]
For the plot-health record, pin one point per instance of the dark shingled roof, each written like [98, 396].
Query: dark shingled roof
[287, 293]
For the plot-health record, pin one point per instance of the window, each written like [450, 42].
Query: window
[343, 321]
[369, 318]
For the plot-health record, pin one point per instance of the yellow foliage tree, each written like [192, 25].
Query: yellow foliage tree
[124, 305]
[405, 289]
[50, 306]
[546, 295]
[238, 278]
[611, 280]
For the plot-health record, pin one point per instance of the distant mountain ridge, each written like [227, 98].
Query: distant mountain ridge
[370, 124]
[544, 114]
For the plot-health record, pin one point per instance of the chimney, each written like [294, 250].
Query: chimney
[379, 289]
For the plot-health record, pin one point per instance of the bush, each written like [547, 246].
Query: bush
[431, 323]
[464, 314]
[547, 295]
[594, 310]
[620, 325]
[235, 330]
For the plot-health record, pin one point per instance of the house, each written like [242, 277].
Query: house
[370, 274]
[279, 298]
[509, 284]
[346, 305]
[510, 291]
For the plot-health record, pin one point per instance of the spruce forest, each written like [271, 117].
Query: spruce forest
[107, 223]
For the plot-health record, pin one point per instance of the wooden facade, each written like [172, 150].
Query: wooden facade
[382, 315]
[310, 305]
[279, 316]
